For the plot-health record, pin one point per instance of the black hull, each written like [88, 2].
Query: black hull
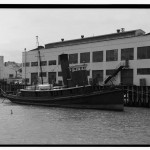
[109, 100]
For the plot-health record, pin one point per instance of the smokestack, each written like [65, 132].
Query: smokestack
[65, 68]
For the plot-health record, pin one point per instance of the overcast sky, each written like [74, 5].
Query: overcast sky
[19, 27]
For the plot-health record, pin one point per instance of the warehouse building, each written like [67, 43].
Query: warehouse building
[123, 56]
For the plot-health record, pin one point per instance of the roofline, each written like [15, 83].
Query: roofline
[84, 40]
[95, 36]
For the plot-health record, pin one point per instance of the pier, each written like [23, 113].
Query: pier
[11, 88]
[136, 96]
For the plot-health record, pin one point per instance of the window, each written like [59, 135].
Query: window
[88, 72]
[52, 62]
[127, 54]
[143, 52]
[43, 63]
[27, 80]
[27, 64]
[11, 75]
[98, 75]
[34, 78]
[110, 72]
[112, 55]
[60, 82]
[85, 57]
[34, 64]
[98, 56]
[143, 71]
[43, 74]
[65, 59]
[73, 58]
[59, 74]
[74, 69]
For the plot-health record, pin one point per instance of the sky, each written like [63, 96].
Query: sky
[19, 27]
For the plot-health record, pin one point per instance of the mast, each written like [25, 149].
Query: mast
[41, 74]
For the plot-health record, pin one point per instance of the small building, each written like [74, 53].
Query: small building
[11, 72]
[1, 67]
[103, 55]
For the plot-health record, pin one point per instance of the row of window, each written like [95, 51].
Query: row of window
[43, 63]
[96, 74]
[140, 71]
[111, 55]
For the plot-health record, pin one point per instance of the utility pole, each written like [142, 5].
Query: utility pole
[41, 74]
[25, 64]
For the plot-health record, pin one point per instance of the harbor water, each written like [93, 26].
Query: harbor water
[25, 124]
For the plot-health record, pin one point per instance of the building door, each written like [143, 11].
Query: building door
[52, 77]
[34, 78]
[127, 76]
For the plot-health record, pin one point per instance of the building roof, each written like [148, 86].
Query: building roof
[38, 48]
[106, 37]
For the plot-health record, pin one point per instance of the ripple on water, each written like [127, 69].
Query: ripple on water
[50, 125]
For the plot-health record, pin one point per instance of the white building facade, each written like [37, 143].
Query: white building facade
[102, 54]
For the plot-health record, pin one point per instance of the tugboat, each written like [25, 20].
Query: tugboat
[76, 92]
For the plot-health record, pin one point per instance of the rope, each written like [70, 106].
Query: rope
[3, 92]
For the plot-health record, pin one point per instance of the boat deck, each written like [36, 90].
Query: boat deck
[60, 92]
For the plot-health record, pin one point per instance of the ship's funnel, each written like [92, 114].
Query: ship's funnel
[65, 68]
